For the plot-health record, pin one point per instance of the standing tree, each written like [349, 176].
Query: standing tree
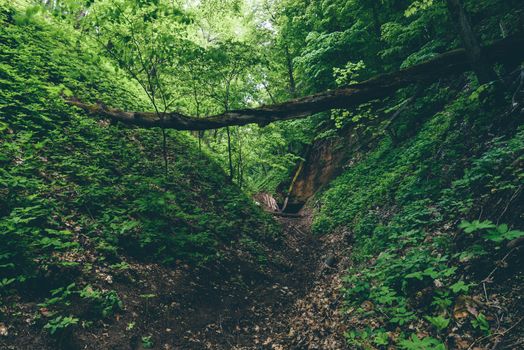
[228, 61]
[144, 39]
[459, 16]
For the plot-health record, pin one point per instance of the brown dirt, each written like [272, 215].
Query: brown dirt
[285, 298]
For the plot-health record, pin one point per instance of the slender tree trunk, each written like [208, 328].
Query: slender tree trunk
[291, 76]
[240, 165]
[376, 20]
[164, 149]
[273, 101]
[229, 153]
[473, 50]
[161, 116]
[200, 132]
[290, 189]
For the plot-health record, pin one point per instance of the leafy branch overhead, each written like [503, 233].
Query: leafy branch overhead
[456, 61]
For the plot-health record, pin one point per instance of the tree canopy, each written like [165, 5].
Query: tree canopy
[507, 51]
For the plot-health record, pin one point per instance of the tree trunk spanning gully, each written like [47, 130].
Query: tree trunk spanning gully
[510, 50]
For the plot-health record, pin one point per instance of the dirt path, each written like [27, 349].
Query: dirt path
[294, 308]
[276, 294]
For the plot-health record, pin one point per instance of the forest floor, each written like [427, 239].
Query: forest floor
[285, 296]
[294, 306]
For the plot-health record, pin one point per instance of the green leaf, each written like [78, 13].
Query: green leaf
[438, 321]
[418, 275]
[460, 286]
[481, 323]
[476, 225]
[427, 343]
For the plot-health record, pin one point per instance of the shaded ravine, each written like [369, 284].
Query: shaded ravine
[290, 299]
[296, 308]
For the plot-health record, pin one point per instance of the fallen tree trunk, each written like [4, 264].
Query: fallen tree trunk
[510, 50]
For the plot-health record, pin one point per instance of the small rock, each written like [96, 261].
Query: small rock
[3, 330]
[515, 243]
[330, 261]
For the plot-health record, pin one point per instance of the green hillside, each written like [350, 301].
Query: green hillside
[81, 199]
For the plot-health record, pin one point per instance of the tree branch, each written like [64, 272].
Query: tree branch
[509, 50]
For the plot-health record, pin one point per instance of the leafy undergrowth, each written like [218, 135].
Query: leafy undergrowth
[82, 201]
[436, 217]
